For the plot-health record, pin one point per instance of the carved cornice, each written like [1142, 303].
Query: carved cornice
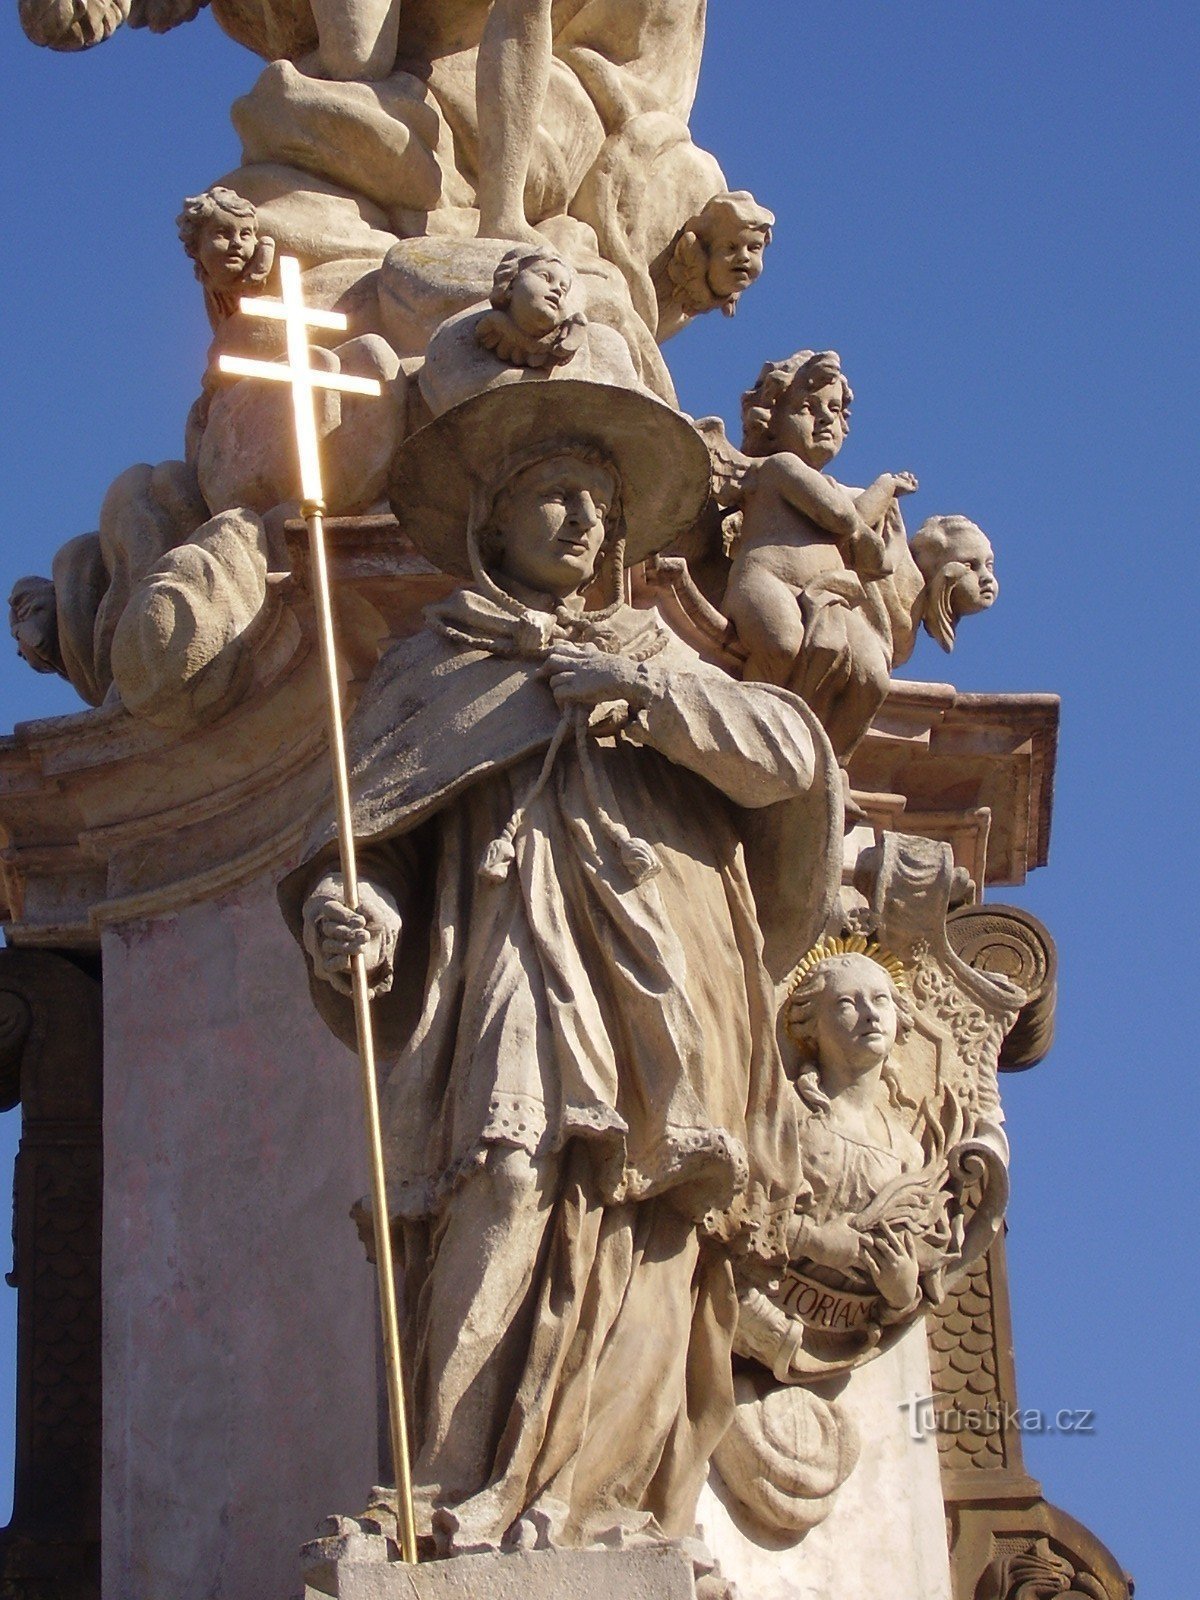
[949, 755]
[103, 817]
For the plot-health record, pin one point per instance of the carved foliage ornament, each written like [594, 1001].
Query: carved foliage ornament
[1038, 1573]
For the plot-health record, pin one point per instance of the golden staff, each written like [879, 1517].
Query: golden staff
[305, 379]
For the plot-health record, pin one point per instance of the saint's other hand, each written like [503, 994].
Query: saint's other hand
[334, 934]
[894, 1267]
[581, 675]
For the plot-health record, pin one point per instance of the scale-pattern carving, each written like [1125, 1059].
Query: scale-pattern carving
[964, 1363]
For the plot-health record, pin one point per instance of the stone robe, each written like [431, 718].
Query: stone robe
[587, 1111]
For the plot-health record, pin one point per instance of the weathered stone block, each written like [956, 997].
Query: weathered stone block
[651, 1574]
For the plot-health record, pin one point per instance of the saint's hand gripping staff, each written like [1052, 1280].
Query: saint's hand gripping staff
[304, 379]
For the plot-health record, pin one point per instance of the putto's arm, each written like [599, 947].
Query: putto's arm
[821, 499]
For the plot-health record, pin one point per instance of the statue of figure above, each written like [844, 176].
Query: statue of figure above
[486, 116]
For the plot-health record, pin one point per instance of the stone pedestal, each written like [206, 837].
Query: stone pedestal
[651, 1574]
[238, 1306]
[886, 1532]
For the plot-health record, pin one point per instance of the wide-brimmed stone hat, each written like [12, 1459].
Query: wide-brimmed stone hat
[441, 469]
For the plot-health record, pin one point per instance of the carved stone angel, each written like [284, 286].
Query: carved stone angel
[531, 328]
[879, 1215]
[875, 1231]
[712, 261]
[823, 591]
[529, 325]
[896, 1052]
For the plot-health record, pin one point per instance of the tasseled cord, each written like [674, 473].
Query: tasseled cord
[502, 851]
[637, 857]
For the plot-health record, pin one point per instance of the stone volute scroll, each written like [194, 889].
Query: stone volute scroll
[1013, 943]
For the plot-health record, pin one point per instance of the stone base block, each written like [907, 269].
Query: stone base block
[650, 1574]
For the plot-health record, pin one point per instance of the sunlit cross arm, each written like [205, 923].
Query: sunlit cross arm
[298, 370]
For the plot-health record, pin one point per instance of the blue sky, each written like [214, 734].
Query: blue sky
[990, 211]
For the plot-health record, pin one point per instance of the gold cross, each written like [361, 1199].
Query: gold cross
[297, 370]
[305, 380]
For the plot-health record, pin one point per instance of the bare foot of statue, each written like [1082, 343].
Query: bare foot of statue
[512, 225]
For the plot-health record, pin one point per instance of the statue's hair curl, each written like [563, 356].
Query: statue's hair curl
[804, 372]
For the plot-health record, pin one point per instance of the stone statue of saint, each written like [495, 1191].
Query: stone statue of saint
[501, 107]
[572, 912]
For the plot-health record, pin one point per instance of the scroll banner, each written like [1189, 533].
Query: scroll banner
[819, 1306]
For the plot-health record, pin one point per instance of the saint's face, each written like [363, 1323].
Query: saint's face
[550, 522]
[226, 248]
[813, 424]
[855, 1017]
[734, 262]
[538, 292]
[978, 587]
